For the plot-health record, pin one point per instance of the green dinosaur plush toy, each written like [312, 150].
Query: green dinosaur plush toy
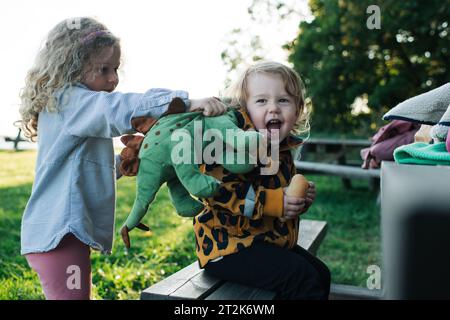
[161, 157]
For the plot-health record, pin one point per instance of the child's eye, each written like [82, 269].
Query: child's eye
[261, 101]
[104, 70]
[284, 100]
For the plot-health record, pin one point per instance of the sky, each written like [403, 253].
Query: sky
[172, 44]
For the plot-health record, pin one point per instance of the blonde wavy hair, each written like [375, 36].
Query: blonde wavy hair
[237, 93]
[63, 60]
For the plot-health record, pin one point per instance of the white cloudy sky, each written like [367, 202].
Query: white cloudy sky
[166, 43]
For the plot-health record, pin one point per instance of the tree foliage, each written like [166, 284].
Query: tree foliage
[271, 23]
[341, 59]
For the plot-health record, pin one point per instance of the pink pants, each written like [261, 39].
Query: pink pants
[64, 272]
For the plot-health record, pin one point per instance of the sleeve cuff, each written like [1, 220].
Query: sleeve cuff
[249, 202]
[187, 103]
[273, 205]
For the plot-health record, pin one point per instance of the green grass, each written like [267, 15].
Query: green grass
[352, 242]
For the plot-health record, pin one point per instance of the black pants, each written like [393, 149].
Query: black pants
[292, 274]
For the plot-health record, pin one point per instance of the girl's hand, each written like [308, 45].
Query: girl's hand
[210, 106]
[292, 207]
[310, 196]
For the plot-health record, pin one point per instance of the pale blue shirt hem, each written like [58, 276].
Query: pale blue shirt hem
[57, 239]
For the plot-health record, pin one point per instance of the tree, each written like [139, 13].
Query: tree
[270, 21]
[340, 59]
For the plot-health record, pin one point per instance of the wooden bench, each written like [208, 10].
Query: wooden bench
[339, 146]
[334, 151]
[344, 171]
[192, 283]
[16, 140]
[338, 170]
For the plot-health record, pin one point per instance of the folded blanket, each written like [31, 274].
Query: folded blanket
[423, 153]
[445, 120]
[439, 132]
[426, 108]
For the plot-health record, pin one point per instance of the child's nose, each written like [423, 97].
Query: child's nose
[274, 107]
[114, 78]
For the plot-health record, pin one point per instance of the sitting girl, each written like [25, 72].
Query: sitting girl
[248, 232]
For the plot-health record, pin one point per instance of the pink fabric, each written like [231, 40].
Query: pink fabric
[447, 144]
[386, 140]
[65, 272]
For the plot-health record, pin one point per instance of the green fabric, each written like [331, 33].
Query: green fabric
[156, 166]
[422, 153]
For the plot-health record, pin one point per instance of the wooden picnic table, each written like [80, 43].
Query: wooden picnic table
[339, 147]
[331, 158]
[340, 142]
[16, 140]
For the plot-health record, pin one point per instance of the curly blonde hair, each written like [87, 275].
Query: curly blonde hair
[63, 60]
[237, 93]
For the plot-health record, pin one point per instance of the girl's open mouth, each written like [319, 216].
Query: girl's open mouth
[272, 125]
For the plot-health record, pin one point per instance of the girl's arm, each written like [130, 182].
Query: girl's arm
[240, 198]
[87, 113]
[260, 202]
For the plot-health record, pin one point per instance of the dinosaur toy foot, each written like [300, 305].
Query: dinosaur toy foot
[125, 233]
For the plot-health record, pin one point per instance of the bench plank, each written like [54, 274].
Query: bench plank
[170, 287]
[340, 142]
[235, 291]
[198, 287]
[192, 282]
[346, 292]
[311, 235]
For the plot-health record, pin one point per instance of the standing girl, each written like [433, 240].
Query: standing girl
[69, 105]
[248, 232]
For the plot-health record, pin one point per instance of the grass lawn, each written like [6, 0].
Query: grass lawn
[351, 245]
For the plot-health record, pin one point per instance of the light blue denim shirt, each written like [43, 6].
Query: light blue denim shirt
[75, 182]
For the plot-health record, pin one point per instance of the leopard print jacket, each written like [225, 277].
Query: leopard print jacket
[224, 227]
